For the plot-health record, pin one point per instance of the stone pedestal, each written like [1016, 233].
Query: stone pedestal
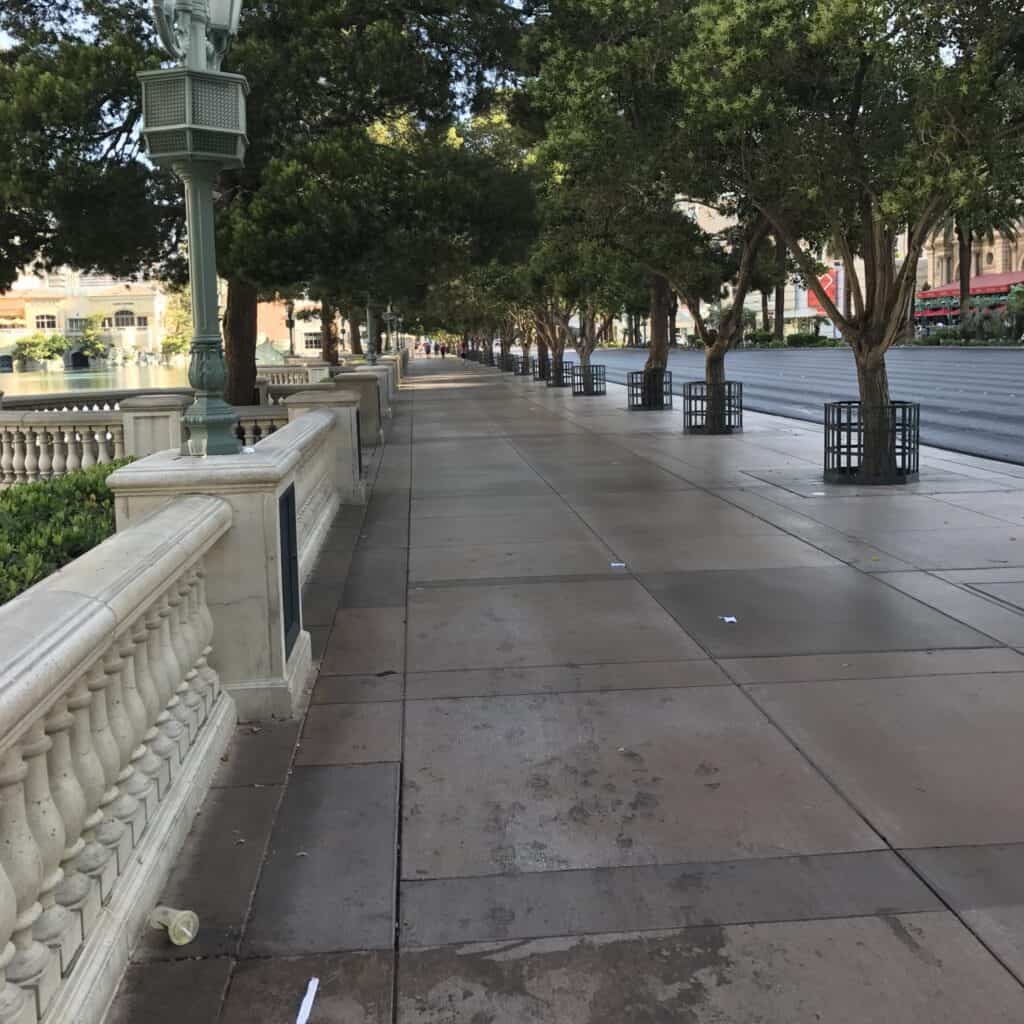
[152, 423]
[371, 404]
[343, 404]
[244, 568]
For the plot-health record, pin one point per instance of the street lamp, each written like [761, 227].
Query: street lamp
[371, 334]
[194, 123]
[289, 322]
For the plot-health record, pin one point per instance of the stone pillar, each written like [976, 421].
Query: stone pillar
[244, 568]
[371, 404]
[152, 423]
[343, 404]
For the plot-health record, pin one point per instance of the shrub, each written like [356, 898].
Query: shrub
[760, 337]
[40, 347]
[46, 525]
[804, 340]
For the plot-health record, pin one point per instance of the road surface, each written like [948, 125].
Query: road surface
[972, 400]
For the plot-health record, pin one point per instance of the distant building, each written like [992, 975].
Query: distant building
[997, 254]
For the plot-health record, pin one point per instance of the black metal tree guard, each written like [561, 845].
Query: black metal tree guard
[649, 389]
[723, 415]
[524, 368]
[560, 374]
[589, 380]
[487, 356]
[845, 439]
[541, 367]
[507, 362]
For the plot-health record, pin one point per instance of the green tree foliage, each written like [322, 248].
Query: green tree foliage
[94, 340]
[177, 322]
[41, 347]
[856, 123]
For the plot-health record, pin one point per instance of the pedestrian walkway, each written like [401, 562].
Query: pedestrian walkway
[617, 726]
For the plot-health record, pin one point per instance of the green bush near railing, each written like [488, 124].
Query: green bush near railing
[45, 525]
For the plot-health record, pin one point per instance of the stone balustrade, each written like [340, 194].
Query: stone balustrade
[291, 373]
[42, 445]
[84, 401]
[258, 422]
[112, 723]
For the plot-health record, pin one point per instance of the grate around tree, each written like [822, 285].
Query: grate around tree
[714, 410]
[589, 380]
[524, 368]
[560, 374]
[506, 362]
[649, 390]
[541, 368]
[487, 357]
[883, 448]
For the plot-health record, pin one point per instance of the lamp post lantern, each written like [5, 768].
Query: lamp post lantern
[371, 333]
[194, 123]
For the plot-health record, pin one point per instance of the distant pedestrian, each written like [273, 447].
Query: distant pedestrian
[426, 348]
[444, 351]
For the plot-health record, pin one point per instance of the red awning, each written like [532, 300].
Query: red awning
[986, 284]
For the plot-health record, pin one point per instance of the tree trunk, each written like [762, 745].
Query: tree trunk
[354, 342]
[661, 297]
[879, 460]
[964, 240]
[240, 342]
[543, 359]
[764, 312]
[780, 291]
[328, 333]
[673, 316]
[714, 381]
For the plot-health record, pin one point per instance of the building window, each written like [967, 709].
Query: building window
[124, 318]
[990, 259]
[107, 323]
[46, 322]
[76, 324]
[312, 340]
[142, 321]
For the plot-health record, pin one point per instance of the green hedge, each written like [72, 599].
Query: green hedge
[48, 524]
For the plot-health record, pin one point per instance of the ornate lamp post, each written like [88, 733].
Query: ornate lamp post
[194, 122]
[371, 333]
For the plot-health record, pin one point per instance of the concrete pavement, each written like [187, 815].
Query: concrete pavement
[616, 725]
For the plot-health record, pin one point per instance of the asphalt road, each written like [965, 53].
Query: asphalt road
[972, 400]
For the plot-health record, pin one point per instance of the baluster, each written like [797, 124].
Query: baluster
[14, 1004]
[45, 439]
[132, 788]
[166, 722]
[59, 465]
[97, 860]
[183, 651]
[206, 634]
[118, 808]
[6, 455]
[55, 927]
[117, 434]
[141, 785]
[31, 455]
[19, 456]
[157, 746]
[104, 446]
[32, 967]
[69, 798]
[74, 461]
[193, 640]
[172, 666]
[88, 436]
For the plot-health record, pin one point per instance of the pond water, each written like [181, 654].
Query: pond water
[94, 380]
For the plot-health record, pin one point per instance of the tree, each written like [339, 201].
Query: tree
[41, 348]
[177, 322]
[880, 117]
[93, 341]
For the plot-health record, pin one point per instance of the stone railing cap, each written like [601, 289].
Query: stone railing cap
[335, 396]
[157, 402]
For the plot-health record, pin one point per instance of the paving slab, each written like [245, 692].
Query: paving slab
[860, 665]
[956, 549]
[528, 906]
[501, 559]
[377, 577]
[355, 988]
[550, 782]
[985, 886]
[215, 874]
[567, 679]
[563, 623]
[366, 641]
[171, 992]
[803, 611]
[329, 880]
[929, 761]
[351, 734]
[258, 755]
[897, 970]
[359, 689]
[548, 526]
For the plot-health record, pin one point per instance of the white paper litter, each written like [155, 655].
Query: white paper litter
[617, 565]
[307, 1003]
[729, 619]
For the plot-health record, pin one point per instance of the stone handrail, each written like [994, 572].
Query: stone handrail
[112, 722]
[81, 401]
[41, 445]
